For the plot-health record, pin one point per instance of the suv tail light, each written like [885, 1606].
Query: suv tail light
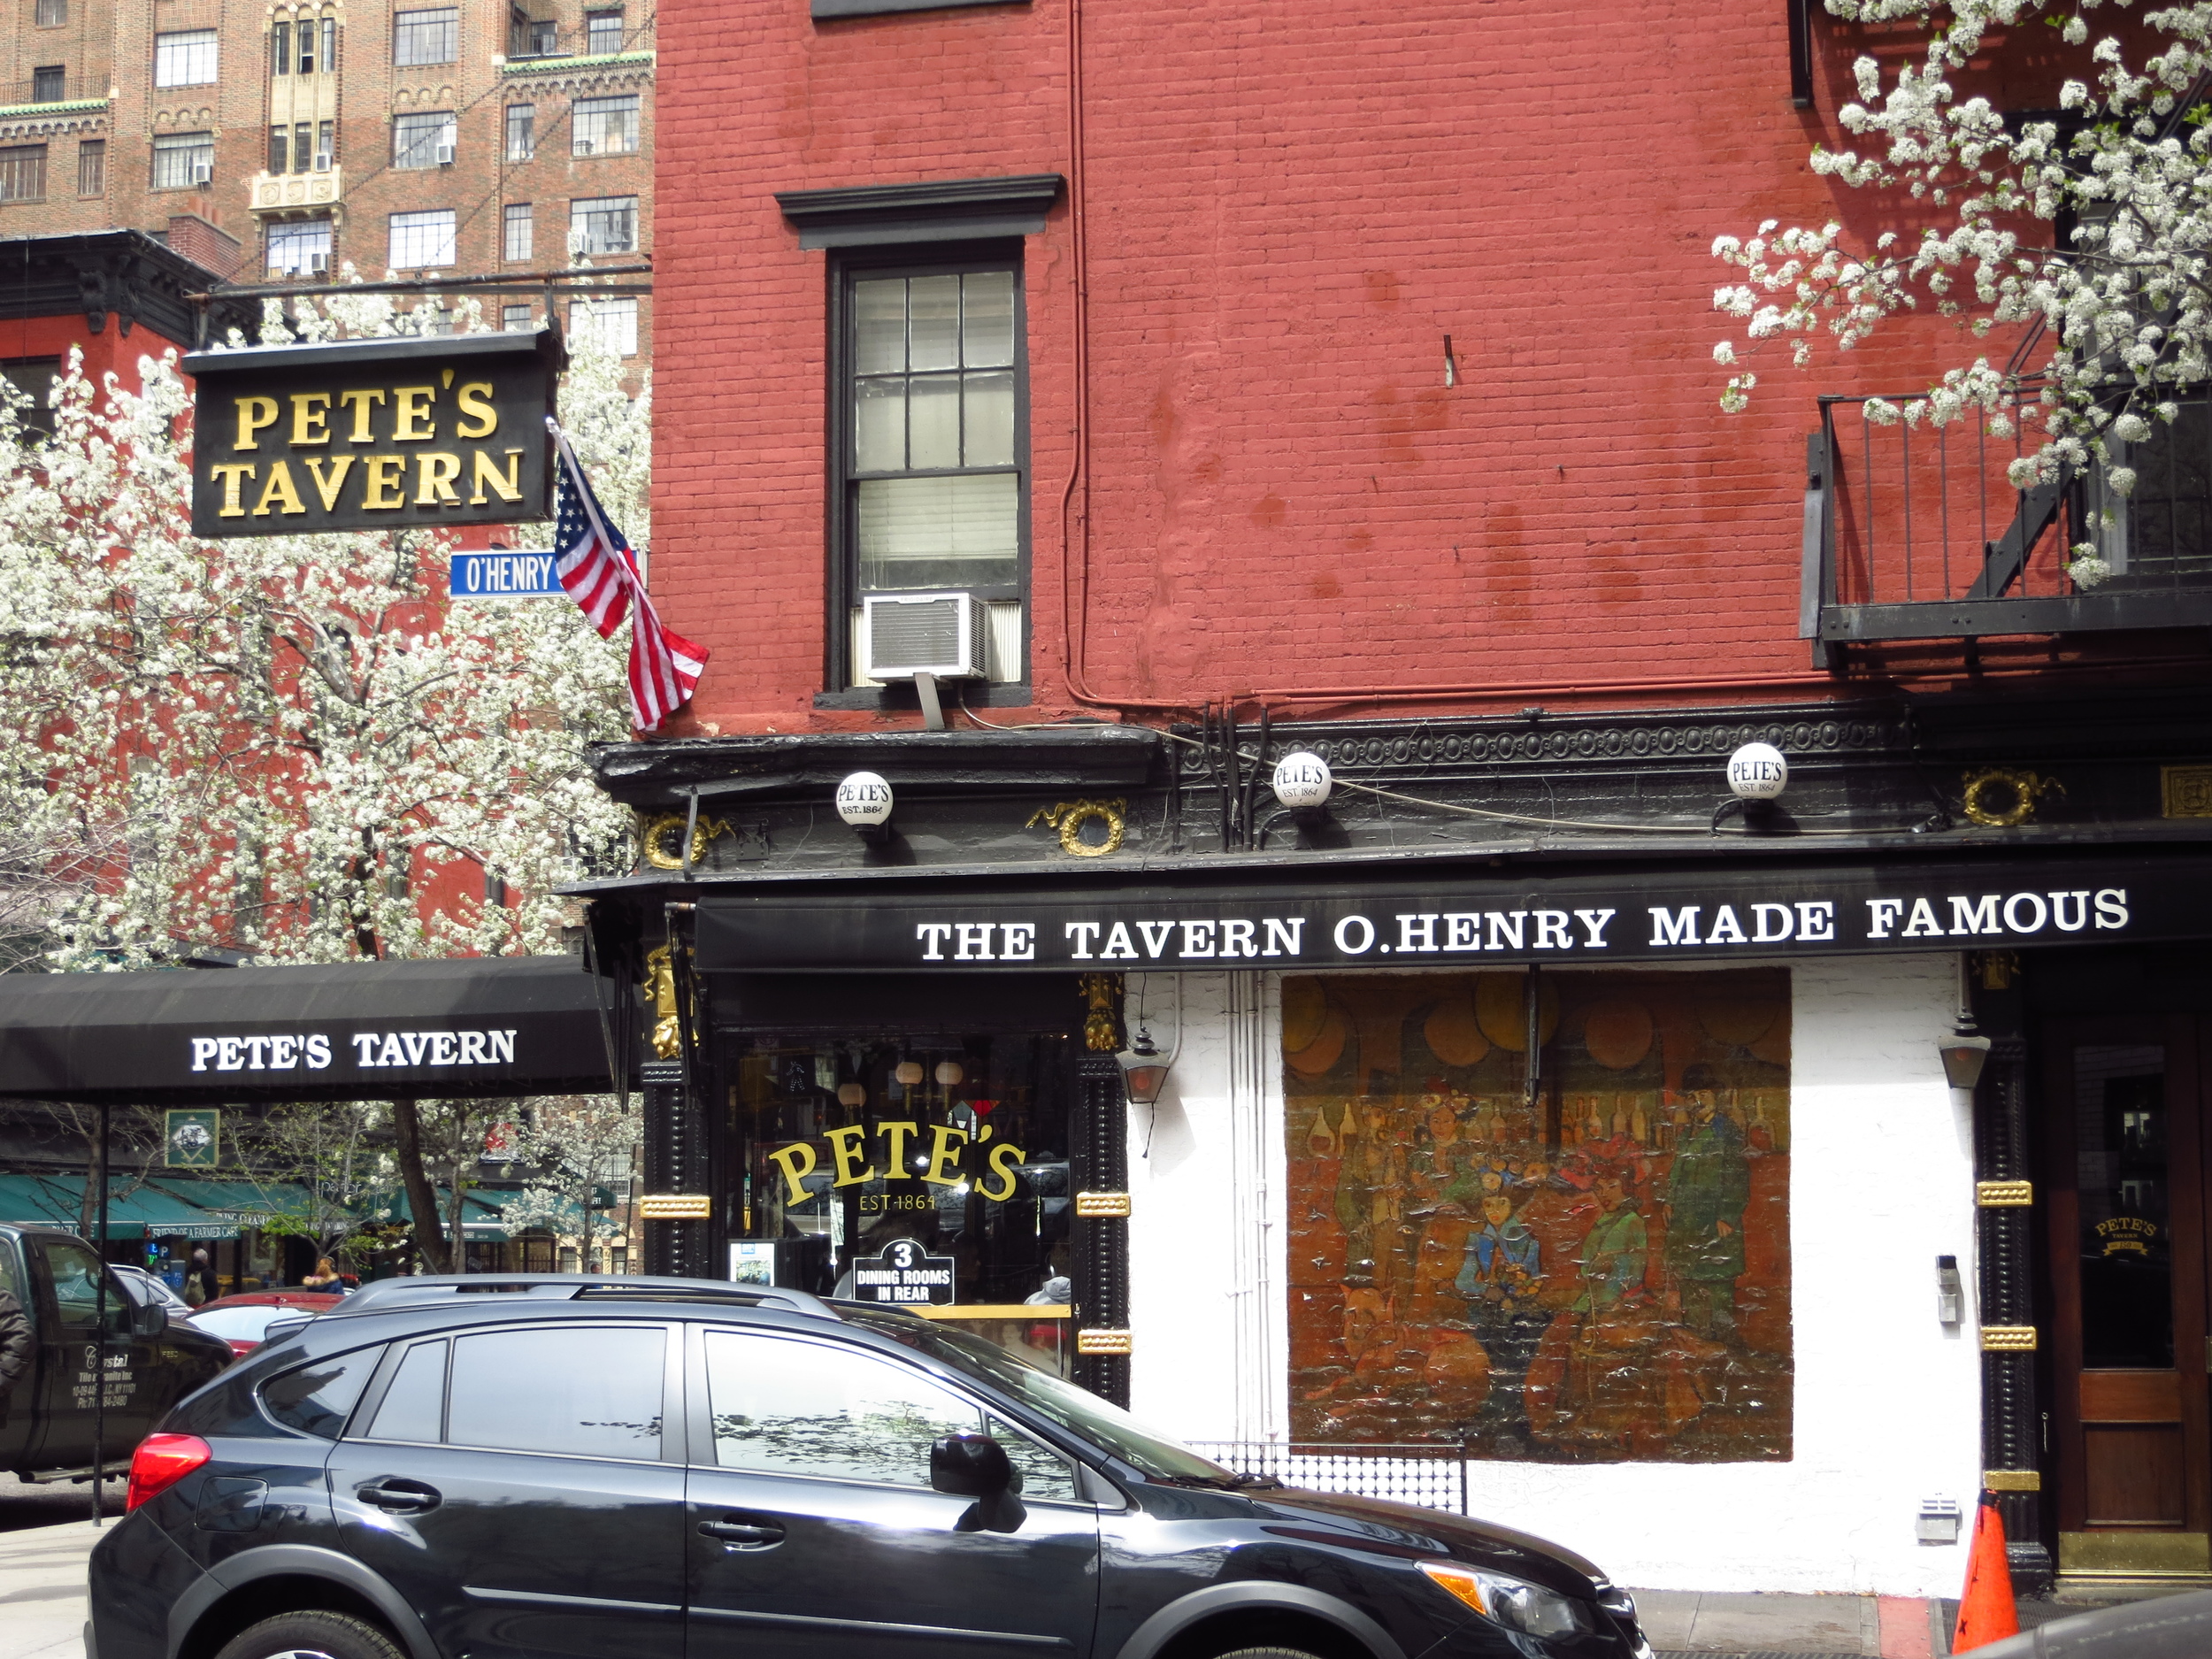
[161, 1461]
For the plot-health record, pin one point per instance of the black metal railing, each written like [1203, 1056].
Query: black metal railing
[1917, 533]
[52, 90]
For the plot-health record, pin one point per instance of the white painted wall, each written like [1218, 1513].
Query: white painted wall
[1888, 1399]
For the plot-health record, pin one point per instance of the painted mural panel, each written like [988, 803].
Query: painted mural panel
[1595, 1269]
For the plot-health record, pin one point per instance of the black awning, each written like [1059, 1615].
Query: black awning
[464, 1026]
[1462, 914]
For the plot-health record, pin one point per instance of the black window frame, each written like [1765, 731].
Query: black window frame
[845, 267]
[404, 21]
[49, 83]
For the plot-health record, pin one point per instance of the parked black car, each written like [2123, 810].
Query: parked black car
[501, 1467]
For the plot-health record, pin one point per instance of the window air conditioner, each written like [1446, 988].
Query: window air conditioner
[317, 263]
[203, 172]
[943, 634]
[576, 241]
[445, 154]
[322, 164]
[583, 147]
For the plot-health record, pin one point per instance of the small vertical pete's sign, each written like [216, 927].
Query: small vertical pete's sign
[372, 434]
[192, 1140]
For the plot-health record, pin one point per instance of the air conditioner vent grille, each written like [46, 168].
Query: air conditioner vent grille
[944, 634]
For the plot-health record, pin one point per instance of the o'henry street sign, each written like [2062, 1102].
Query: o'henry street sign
[372, 434]
[503, 573]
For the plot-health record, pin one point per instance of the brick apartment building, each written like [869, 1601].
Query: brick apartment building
[280, 144]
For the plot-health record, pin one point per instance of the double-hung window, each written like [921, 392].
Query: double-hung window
[934, 415]
[522, 125]
[604, 127]
[185, 57]
[183, 160]
[516, 238]
[426, 37]
[23, 173]
[421, 240]
[424, 141]
[602, 33]
[603, 224]
[299, 247]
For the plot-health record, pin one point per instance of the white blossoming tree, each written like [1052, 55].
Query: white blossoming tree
[273, 744]
[2084, 234]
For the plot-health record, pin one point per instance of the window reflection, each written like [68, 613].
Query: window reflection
[2127, 1316]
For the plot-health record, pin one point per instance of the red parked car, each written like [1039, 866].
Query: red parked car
[243, 1320]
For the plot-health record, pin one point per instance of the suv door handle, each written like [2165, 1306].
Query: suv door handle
[399, 1495]
[744, 1534]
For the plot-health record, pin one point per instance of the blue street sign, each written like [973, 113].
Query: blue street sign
[504, 574]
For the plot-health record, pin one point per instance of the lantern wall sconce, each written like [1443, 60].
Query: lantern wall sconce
[1144, 1069]
[864, 802]
[1965, 1052]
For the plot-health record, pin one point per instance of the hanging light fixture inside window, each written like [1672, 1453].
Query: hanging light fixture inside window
[908, 1072]
[851, 1094]
[950, 1072]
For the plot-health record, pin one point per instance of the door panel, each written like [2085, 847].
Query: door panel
[814, 1534]
[524, 1490]
[70, 1354]
[2124, 1153]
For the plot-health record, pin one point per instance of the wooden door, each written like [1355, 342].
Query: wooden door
[2124, 1109]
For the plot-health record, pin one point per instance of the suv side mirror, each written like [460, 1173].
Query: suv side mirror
[976, 1466]
[148, 1318]
[970, 1466]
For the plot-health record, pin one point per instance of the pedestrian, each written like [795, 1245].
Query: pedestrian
[16, 1347]
[203, 1274]
[323, 1278]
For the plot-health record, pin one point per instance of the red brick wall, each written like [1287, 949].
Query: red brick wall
[1290, 203]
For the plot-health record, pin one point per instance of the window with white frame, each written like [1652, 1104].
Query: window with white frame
[424, 141]
[515, 242]
[299, 247]
[603, 224]
[426, 37]
[183, 161]
[611, 321]
[518, 319]
[935, 479]
[185, 57]
[420, 241]
[604, 127]
[522, 131]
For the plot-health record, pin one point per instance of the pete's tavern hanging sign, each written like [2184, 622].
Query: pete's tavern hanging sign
[372, 434]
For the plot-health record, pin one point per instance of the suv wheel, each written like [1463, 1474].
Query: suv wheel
[311, 1636]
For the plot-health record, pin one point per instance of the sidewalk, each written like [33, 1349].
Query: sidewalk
[41, 1590]
[1804, 1626]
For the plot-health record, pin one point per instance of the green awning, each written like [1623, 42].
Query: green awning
[146, 1212]
[479, 1217]
[246, 1202]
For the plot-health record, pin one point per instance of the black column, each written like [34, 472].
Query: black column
[2012, 1439]
[675, 1161]
[1101, 1265]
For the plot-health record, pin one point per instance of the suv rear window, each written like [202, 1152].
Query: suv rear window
[572, 1391]
[317, 1399]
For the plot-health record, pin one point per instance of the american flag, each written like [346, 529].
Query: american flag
[599, 573]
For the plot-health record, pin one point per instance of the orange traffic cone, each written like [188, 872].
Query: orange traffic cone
[1986, 1613]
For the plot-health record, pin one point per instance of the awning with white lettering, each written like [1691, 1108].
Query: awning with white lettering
[1710, 914]
[478, 1026]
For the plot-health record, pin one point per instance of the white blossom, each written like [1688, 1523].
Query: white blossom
[279, 737]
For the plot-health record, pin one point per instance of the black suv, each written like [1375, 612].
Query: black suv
[504, 1467]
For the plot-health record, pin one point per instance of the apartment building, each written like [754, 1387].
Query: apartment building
[281, 143]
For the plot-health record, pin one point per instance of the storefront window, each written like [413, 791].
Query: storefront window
[1594, 1270]
[930, 1174]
